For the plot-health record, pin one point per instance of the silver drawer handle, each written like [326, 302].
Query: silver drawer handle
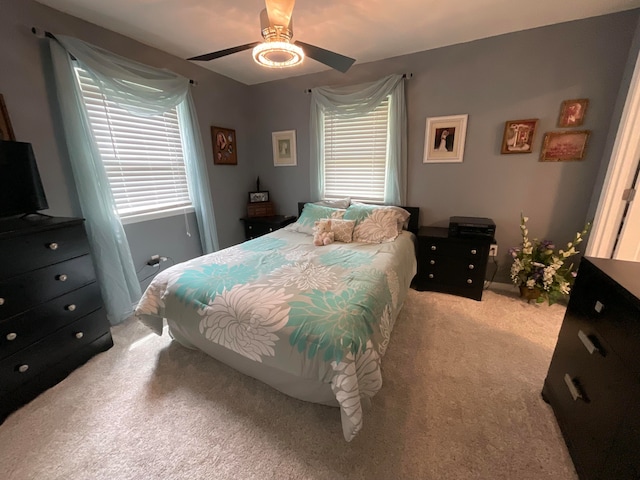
[23, 368]
[474, 251]
[573, 390]
[53, 246]
[431, 275]
[599, 307]
[469, 281]
[70, 308]
[432, 262]
[471, 266]
[62, 278]
[271, 229]
[586, 341]
[1, 301]
[250, 227]
[79, 335]
[12, 336]
[433, 247]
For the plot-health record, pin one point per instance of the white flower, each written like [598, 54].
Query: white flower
[304, 276]
[531, 283]
[245, 319]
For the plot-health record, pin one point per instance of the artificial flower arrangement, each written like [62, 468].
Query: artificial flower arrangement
[540, 271]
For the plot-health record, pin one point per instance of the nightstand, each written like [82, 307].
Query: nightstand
[455, 265]
[257, 226]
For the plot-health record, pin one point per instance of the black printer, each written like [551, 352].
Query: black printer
[471, 227]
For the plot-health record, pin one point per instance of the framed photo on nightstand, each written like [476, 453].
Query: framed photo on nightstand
[255, 197]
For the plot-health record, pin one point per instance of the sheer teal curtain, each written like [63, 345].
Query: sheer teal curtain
[358, 100]
[141, 90]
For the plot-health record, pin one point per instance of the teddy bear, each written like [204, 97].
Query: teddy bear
[322, 234]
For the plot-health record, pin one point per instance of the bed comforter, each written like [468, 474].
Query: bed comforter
[320, 313]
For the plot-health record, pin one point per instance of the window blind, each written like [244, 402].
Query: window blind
[143, 156]
[355, 155]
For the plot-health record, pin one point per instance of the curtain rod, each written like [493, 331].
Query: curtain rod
[44, 34]
[404, 75]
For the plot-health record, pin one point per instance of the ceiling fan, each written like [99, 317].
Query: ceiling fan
[277, 50]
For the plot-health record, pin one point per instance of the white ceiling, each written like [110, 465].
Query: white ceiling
[366, 30]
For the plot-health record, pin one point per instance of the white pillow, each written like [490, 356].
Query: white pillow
[340, 203]
[376, 223]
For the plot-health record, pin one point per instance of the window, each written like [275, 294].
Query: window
[355, 155]
[143, 157]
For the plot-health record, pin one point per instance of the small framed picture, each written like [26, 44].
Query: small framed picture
[444, 139]
[255, 197]
[518, 136]
[563, 146]
[6, 131]
[225, 150]
[284, 148]
[572, 112]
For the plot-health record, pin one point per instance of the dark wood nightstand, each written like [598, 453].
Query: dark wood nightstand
[455, 265]
[255, 227]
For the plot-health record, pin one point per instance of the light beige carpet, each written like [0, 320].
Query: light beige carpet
[461, 400]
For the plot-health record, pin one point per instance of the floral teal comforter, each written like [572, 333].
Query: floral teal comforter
[322, 313]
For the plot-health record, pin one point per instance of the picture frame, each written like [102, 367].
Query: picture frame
[6, 130]
[444, 139]
[284, 148]
[225, 149]
[518, 136]
[572, 112]
[256, 197]
[564, 146]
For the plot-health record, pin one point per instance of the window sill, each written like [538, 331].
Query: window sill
[144, 217]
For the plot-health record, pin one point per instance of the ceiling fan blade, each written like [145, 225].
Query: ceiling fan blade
[332, 59]
[280, 11]
[223, 53]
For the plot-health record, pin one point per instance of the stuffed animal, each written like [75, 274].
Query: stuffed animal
[322, 234]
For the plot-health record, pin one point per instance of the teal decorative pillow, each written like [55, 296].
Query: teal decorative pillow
[376, 224]
[310, 214]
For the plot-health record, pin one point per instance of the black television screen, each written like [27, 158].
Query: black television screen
[21, 189]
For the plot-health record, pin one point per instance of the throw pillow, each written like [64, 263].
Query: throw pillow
[310, 214]
[340, 203]
[376, 224]
[343, 230]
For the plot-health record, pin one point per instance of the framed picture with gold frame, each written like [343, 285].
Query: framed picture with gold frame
[518, 136]
[572, 112]
[564, 146]
[225, 150]
[6, 131]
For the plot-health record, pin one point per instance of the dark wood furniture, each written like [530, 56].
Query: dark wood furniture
[593, 383]
[255, 227]
[455, 265]
[51, 316]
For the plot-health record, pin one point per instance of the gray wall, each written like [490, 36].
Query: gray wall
[32, 107]
[516, 76]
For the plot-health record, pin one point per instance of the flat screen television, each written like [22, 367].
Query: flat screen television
[21, 189]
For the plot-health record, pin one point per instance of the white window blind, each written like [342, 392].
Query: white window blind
[355, 155]
[142, 156]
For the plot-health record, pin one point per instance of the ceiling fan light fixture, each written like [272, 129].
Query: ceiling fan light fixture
[278, 54]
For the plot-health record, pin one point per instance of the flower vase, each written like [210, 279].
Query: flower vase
[530, 293]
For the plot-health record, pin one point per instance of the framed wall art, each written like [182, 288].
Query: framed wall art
[255, 197]
[225, 150]
[572, 112]
[518, 136]
[284, 148]
[563, 146]
[444, 139]
[6, 131]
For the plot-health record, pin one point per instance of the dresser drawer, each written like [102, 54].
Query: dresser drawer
[590, 392]
[26, 328]
[452, 271]
[452, 248]
[28, 363]
[23, 253]
[38, 286]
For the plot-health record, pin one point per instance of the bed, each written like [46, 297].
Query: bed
[311, 321]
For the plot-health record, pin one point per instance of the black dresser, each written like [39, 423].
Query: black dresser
[51, 315]
[455, 265]
[255, 227]
[593, 383]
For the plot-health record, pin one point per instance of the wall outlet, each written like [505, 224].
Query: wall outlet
[493, 250]
[154, 260]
